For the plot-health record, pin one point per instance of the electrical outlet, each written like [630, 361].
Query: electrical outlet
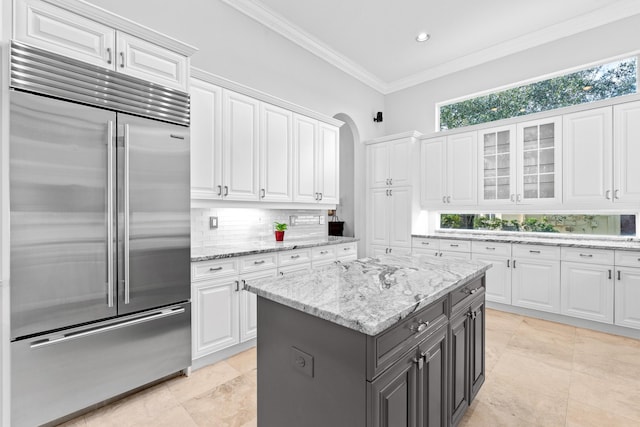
[322, 220]
[213, 222]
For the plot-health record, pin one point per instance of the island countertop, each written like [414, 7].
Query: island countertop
[370, 294]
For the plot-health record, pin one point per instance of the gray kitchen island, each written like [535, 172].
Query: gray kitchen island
[387, 341]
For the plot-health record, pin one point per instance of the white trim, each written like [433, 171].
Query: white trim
[256, 10]
[204, 203]
[118, 22]
[410, 134]
[262, 96]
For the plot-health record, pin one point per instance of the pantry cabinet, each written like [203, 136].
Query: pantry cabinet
[47, 26]
[389, 218]
[536, 277]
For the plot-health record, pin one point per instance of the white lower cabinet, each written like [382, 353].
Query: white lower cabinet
[498, 277]
[627, 297]
[535, 277]
[587, 291]
[249, 304]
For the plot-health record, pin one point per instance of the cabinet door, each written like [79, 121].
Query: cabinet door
[148, 61]
[392, 395]
[378, 165]
[455, 255]
[240, 147]
[377, 250]
[215, 315]
[46, 26]
[399, 224]
[249, 305]
[400, 162]
[328, 164]
[459, 367]
[587, 145]
[476, 347]
[379, 219]
[276, 146]
[627, 297]
[626, 153]
[305, 135]
[498, 278]
[432, 381]
[587, 291]
[206, 140]
[536, 284]
[497, 165]
[462, 177]
[539, 161]
[432, 172]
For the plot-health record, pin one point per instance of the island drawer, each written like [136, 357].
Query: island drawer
[593, 256]
[387, 347]
[536, 251]
[455, 245]
[627, 258]
[468, 291]
[205, 270]
[491, 248]
[258, 262]
[297, 256]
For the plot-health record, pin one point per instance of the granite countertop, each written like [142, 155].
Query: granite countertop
[583, 241]
[230, 250]
[370, 294]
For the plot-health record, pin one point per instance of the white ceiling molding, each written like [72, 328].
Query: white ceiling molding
[262, 14]
[285, 28]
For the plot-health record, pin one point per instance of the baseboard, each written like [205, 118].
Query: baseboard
[212, 358]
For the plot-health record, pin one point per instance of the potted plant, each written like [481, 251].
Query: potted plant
[280, 227]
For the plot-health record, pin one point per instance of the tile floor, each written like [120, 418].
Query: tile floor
[539, 373]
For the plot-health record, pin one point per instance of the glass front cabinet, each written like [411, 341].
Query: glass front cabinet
[521, 164]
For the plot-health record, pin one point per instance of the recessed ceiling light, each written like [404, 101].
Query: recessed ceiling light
[423, 37]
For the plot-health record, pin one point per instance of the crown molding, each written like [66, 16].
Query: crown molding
[263, 15]
[118, 22]
[410, 134]
[260, 13]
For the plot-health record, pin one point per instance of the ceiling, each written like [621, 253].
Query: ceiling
[374, 40]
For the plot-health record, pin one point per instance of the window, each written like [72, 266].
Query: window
[593, 84]
[607, 225]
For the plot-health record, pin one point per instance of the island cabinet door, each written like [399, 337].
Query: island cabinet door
[476, 346]
[393, 395]
[459, 367]
[432, 380]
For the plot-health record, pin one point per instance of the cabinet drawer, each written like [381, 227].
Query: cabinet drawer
[323, 253]
[205, 270]
[298, 256]
[258, 262]
[536, 251]
[347, 250]
[394, 342]
[594, 256]
[491, 248]
[425, 243]
[455, 245]
[627, 258]
[470, 291]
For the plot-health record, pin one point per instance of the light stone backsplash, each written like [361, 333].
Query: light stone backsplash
[241, 225]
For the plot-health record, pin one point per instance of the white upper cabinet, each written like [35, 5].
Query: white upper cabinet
[206, 140]
[328, 164]
[497, 165]
[626, 188]
[389, 218]
[58, 30]
[389, 163]
[539, 161]
[240, 146]
[276, 148]
[587, 154]
[449, 170]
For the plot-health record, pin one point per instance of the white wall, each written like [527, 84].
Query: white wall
[414, 108]
[345, 209]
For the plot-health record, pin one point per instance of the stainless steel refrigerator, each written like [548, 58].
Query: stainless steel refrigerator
[100, 234]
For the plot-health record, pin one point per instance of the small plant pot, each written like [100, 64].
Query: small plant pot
[279, 236]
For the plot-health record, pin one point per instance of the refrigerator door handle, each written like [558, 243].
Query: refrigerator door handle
[87, 332]
[126, 213]
[110, 215]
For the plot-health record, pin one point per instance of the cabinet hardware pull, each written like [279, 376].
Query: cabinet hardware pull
[534, 252]
[390, 249]
[444, 199]
[346, 249]
[427, 244]
[609, 274]
[226, 190]
[324, 252]
[448, 199]
[607, 195]
[422, 325]
[219, 190]
[320, 196]
[387, 181]
[109, 59]
[615, 194]
[512, 198]
[508, 263]
[122, 58]
[387, 192]
[453, 246]
[390, 181]
[473, 291]
[440, 254]
[489, 248]
[419, 361]
[282, 273]
[258, 262]
[264, 193]
[391, 192]
[514, 263]
[295, 256]
[518, 198]
[173, 135]
[619, 275]
[244, 285]
[215, 269]
[587, 255]
[237, 286]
